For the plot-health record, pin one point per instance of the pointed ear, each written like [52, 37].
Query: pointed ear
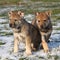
[9, 13]
[48, 13]
[21, 13]
[37, 13]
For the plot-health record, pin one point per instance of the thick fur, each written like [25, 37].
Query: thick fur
[24, 31]
[43, 23]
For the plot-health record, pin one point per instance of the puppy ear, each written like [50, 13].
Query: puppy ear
[37, 13]
[21, 13]
[9, 13]
[48, 13]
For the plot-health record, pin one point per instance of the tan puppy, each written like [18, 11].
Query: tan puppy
[24, 31]
[43, 23]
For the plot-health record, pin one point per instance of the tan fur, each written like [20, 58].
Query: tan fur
[24, 32]
[42, 18]
[44, 44]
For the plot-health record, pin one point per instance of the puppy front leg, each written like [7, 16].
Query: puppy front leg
[44, 44]
[16, 42]
[28, 45]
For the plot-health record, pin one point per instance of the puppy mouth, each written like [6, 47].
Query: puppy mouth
[44, 26]
[18, 27]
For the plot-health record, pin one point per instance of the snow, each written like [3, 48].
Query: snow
[6, 50]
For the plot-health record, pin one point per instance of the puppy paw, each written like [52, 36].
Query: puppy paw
[46, 50]
[27, 53]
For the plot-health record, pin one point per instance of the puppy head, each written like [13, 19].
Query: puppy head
[15, 17]
[42, 19]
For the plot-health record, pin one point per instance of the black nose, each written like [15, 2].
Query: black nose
[18, 27]
[10, 25]
[41, 26]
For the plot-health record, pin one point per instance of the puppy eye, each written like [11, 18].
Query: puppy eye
[38, 20]
[15, 19]
[44, 20]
